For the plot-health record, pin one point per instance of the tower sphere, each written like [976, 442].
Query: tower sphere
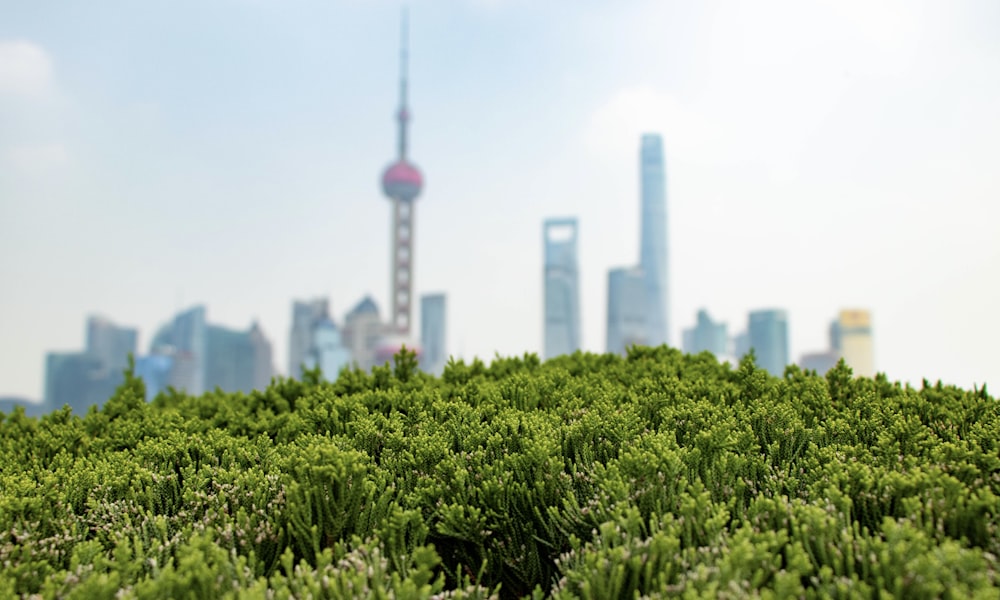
[402, 181]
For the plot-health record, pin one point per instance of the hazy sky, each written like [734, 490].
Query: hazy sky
[820, 155]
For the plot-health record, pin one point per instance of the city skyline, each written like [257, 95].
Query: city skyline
[231, 160]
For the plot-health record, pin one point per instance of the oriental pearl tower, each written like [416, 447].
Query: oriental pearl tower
[402, 182]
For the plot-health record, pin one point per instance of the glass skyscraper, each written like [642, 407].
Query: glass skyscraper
[707, 336]
[653, 240]
[562, 288]
[237, 360]
[183, 339]
[305, 317]
[626, 310]
[328, 351]
[83, 379]
[432, 333]
[768, 332]
[110, 343]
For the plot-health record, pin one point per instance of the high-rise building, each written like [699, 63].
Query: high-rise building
[854, 330]
[77, 379]
[850, 339]
[626, 310]
[432, 333]
[768, 330]
[183, 340]
[154, 370]
[83, 379]
[653, 246]
[562, 288]
[263, 358]
[402, 183]
[328, 351]
[110, 343]
[237, 361]
[363, 330]
[305, 317]
[707, 336]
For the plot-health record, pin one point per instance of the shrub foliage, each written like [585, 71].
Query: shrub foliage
[589, 476]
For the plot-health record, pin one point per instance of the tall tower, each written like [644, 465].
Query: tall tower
[562, 288]
[768, 331]
[653, 240]
[854, 332]
[402, 182]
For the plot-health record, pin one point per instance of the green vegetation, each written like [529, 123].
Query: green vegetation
[654, 475]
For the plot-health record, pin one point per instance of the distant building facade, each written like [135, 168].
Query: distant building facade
[854, 328]
[561, 288]
[154, 370]
[305, 317]
[183, 339]
[433, 338]
[77, 379]
[707, 336]
[328, 351]
[821, 362]
[32, 408]
[88, 378]
[639, 309]
[626, 310]
[110, 343]
[850, 339]
[237, 361]
[193, 356]
[653, 248]
[363, 332]
[768, 336]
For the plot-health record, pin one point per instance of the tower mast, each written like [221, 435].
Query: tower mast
[402, 183]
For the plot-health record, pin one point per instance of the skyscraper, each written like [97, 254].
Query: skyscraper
[707, 336]
[110, 343]
[237, 361]
[362, 330]
[562, 289]
[77, 379]
[854, 329]
[83, 379]
[305, 316]
[183, 340]
[432, 333]
[768, 331]
[327, 350]
[653, 240]
[626, 310]
[402, 183]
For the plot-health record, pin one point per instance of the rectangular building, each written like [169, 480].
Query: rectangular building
[768, 331]
[561, 288]
[626, 310]
[433, 340]
[854, 328]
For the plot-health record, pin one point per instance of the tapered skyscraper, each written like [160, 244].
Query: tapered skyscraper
[653, 240]
[402, 183]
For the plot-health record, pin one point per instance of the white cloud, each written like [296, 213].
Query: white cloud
[25, 69]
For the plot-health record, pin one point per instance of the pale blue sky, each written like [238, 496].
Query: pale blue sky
[820, 155]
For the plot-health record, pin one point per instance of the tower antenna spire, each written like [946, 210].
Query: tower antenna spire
[404, 60]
